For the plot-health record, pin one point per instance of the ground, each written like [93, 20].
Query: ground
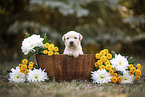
[71, 89]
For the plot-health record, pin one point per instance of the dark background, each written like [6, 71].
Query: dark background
[118, 25]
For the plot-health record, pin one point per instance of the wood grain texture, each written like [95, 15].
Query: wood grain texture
[65, 68]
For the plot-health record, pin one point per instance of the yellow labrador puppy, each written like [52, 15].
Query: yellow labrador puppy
[72, 42]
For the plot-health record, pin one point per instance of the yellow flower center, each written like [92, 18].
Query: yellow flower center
[125, 79]
[36, 77]
[101, 77]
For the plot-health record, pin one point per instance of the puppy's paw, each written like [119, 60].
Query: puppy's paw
[75, 55]
[82, 54]
[69, 54]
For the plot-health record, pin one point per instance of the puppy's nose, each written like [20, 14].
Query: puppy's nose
[71, 42]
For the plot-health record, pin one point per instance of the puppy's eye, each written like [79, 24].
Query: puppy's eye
[67, 38]
[75, 37]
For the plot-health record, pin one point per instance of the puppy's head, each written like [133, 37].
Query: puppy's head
[72, 39]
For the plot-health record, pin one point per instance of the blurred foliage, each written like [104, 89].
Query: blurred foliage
[109, 24]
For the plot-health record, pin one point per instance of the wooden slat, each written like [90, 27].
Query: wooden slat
[62, 67]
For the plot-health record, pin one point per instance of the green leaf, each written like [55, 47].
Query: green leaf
[113, 54]
[29, 55]
[36, 66]
[119, 72]
[131, 60]
[45, 39]
[27, 35]
[8, 71]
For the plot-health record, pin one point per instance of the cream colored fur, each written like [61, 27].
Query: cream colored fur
[72, 42]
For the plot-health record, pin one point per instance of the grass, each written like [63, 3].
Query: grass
[68, 89]
[71, 89]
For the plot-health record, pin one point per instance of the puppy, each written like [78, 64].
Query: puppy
[72, 42]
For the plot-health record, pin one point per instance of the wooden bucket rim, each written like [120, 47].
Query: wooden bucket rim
[63, 55]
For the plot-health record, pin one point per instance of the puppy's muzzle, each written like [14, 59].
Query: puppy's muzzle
[71, 43]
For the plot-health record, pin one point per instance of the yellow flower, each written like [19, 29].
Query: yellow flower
[133, 69]
[111, 72]
[46, 45]
[130, 66]
[96, 64]
[51, 47]
[107, 62]
[131, 73]
[50, 53]
[45, 52]
[24, 67]
[137, 78]
[99, 62]
[138, 72]
[139, 66]
[24, 61]
[20, 65]
[30, 67]
[100, 67]
[31, 63]
[103, 58]
[102, 53]
[106, 51]
[97, 56]
[114, 79]
[103, 67]
[26, 72]
[113, 69]
[56, 53]
[109, 56]
[22, 71]
[108, 67]
[56, 49]
[119, 79]
[115, 74]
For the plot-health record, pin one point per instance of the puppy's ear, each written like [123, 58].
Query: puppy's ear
[63, 37]
[80, 36]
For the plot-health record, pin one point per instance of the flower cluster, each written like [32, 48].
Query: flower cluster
[26, 72]
[135, 70]
[114, 68]
[16, 76]
[37, 75]
[29, 44]
[34, 44]
[50, 49]
[25, 66]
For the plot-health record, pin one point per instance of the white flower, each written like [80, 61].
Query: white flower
[101, 76]
[120, 63]
[29, 43]
[37, 75]
[16, 76]
[126, 78]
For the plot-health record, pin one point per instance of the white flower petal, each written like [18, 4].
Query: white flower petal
[101, 76]
[29, 43]
[37, 75]
[16, 76]
[120, 63]
[126, 78]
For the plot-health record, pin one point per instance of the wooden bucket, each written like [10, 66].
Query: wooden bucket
[65, 68]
